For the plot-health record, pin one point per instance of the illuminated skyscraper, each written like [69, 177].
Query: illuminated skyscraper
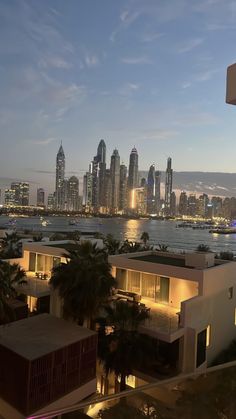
[115, 180]
[98, 175]
[183, 203]
[40, 197]
[151, 207]
[168, 186]
[158, 190]
[60, 176]
[87, 189]
[133, 174]
[73, 193]
[123, 187]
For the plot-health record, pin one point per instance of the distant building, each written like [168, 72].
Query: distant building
[115, 180]
[98, 176]
[60, 177]
[132, 182]
[108, 191]
[168, 186]
[158, 190]
[183, 203]
[87, 190]
[172, 204]
[73, 194]
[202, 204]
[143, 182]
[51, 201]
[192, 205]
[40, 197]
[18, 194]
[151, 200]
[123, 187]
[216, 202]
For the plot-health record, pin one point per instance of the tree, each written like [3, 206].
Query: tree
[10, 276]
[130, 247]
[125, 349]
[11, 247]
[84, 282]
[145, 238]
[203, 248]
[38, 237]
[225, 255]
[111, 244]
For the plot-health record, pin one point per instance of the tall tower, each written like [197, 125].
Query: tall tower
[151, 207]
[115, 180]
[158, 190]
[123, 187]
[133, 173]
[168, 186]
[60, 177]
[98, 172]
[73, 193]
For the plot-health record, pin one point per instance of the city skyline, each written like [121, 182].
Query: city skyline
[137, 76]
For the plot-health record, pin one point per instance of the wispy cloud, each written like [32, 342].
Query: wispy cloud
[128, 89]
[159, 134]
[91, 60]
[54, 62]
[43, 141]
[136, 60]
[189, 45]
[186, 85]
[150, 37]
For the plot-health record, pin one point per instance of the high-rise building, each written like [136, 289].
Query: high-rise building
[133, 174]
[151, 202]
[143, 182]
[115, 180]
[202, 203]
[18, 194]
[183, 203]
[216, 202]
[40, 197]
[73, 194]
[123, 187]
[172, 204]
[9, 197]
[168, 186]
[192, 205]
[158, 190]
[108, 190]
[51, 201]
[87, 190]
[98, 175]
[60, 177]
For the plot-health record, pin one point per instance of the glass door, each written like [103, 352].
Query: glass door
[164, 289]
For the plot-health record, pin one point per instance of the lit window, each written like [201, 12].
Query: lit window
[230, 293]
[208, 336]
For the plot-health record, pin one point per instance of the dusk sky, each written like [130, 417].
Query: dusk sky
[149, 73]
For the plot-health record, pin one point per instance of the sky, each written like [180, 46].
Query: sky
[149, 73]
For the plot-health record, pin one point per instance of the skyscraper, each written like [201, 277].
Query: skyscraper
[73, 193]
[115, 180]
[98, 175]
[133, 174]
[18, 194]
[151, 207]
[123, 187]
[40, 197]
[168, 186]
[87, 190]
[183, 203]
[158, 190]
[172, 204]
[60, 176]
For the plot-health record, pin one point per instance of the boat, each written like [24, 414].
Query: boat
[45, 222]
[223, 230]
[73, 222]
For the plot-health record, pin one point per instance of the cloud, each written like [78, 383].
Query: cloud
[54, 62]
[136, 60]
[128, 89]
[150, 37]
[159, 134]
[44, 141]
[190, 45]
[186, 85]
[206, 75]
[91, 60]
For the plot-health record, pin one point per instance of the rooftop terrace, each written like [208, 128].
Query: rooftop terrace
[164, 260]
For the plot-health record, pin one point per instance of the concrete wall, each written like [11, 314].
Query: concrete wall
[218, 278]
[181, 290]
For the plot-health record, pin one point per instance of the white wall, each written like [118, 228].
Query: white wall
[181, 290]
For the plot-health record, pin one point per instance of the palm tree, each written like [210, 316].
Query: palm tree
[203, 248]
[130, 247]
[145, 238]
[10, 246]
[38, 237]
[124, 349]
[111, 244]
[10, 276]
[84, 282]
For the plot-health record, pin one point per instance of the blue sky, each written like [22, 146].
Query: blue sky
[149, 73]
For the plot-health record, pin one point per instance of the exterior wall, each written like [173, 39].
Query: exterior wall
[216, 310]
[181, 290]
[56, 304]
[218, 278]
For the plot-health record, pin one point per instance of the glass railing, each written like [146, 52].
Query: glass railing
[209, 395]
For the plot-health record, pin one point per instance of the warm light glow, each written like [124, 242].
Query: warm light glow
[235, 316]
[208, 335]
[133, 203]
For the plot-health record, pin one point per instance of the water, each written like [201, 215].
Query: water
[163, 232]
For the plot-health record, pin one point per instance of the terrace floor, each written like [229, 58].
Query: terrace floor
[34, 286]
[163, 318]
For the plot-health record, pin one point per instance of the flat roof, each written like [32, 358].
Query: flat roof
[39, 335]
[65, 246]
[164, 260]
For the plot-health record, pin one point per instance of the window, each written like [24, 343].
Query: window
[201, 347]
[148, 286]
[133, 281]
[208, 336]
[230, 292]
[32, 262]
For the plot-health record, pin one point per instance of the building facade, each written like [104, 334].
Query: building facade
[60, 178]
[168, 186]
